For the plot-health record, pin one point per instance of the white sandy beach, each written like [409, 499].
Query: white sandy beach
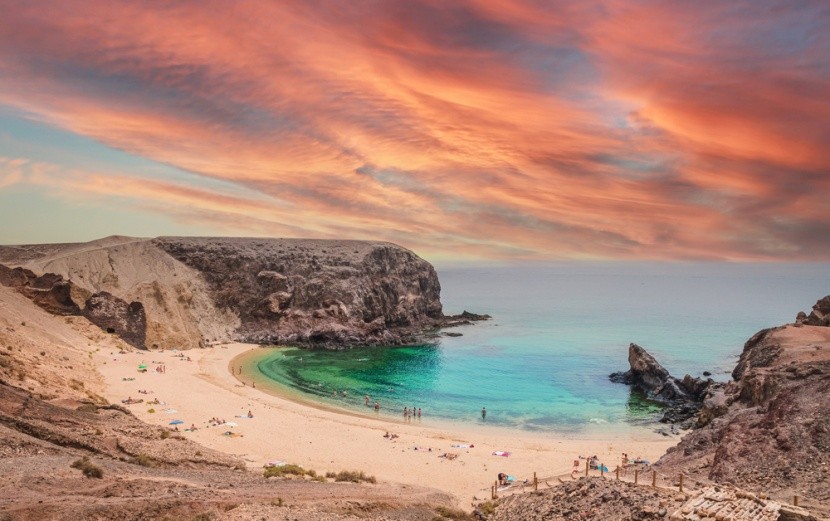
[326, 440]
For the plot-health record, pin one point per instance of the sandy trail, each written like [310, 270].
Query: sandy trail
[326, 440]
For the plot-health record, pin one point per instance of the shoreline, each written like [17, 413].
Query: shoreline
[331, 439]
[599, 431]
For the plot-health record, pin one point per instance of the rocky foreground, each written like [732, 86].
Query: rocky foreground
[767, 430]
[178, 292]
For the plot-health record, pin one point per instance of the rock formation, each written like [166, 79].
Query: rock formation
[683, 398]
[819, 316]
[187, 292]
[768, 430]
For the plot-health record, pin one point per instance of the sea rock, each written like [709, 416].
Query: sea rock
[683, 398]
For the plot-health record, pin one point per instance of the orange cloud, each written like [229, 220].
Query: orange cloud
[487, 128]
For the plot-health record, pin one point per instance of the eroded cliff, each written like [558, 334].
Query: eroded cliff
[174, 292]
[768, 429]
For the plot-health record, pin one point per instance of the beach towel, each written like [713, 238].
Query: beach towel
[501, 453]
[230, 424]
[170, 411]
[465, 446]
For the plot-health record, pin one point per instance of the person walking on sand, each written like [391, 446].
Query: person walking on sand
[366, 400]
[483, 413]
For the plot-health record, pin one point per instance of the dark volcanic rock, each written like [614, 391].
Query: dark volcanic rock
[114, 315]
[682, 397]
[329, 293]
[49, 291]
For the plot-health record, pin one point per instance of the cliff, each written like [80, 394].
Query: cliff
[768, 430]
[175, 292]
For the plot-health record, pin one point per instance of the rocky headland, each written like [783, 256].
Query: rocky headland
[766, 430]
[177, 292]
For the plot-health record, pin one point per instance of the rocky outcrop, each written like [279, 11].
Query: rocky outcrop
[683, 398]
[60, 297]
[49, 291]
[588, 498]
[768, 429]
[114, 315]
[330, 293]
[819, 316]
[191, 292]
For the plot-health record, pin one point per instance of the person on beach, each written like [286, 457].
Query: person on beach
[366, 400]
[419, 412]
[377, 406]
[483, 413]
[624, 463]
[405, 412]
[250, 415]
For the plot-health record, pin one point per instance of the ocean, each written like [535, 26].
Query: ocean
[542, 362]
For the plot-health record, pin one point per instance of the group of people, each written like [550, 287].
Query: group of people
[409, 414]
[366, 401]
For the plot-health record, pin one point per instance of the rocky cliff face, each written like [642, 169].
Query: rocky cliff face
[769, 429]
[332, 293]
[186, 292]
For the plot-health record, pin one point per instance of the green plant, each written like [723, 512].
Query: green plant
[285, 470]
[88, 468]
[354, 476]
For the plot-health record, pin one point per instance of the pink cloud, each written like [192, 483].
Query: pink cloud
[488, 128]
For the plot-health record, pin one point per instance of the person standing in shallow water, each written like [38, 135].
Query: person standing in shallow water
[483, 413]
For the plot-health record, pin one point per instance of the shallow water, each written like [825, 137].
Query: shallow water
[542, 362]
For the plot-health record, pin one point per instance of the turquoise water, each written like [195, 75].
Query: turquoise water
[542, 362]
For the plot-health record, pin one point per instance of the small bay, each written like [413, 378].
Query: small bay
[542, 362]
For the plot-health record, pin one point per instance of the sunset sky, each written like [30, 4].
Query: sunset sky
[469, 131]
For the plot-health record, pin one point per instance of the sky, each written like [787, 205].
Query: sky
[470, 131]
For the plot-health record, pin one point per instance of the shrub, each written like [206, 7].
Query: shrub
[88, 468]
[487, 508]
[453, 514]
[145, 461]
[151, 410]
[354, 476]
[285, 470]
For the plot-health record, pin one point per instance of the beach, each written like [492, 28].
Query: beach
[197, 385]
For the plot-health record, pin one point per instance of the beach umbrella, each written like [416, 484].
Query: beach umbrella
[142, 366]
[176, 422]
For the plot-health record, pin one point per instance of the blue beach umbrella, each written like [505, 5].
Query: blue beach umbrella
[176, 422]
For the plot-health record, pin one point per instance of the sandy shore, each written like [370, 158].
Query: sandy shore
[326, 440]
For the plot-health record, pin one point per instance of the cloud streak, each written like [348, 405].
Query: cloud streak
[487, 129]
